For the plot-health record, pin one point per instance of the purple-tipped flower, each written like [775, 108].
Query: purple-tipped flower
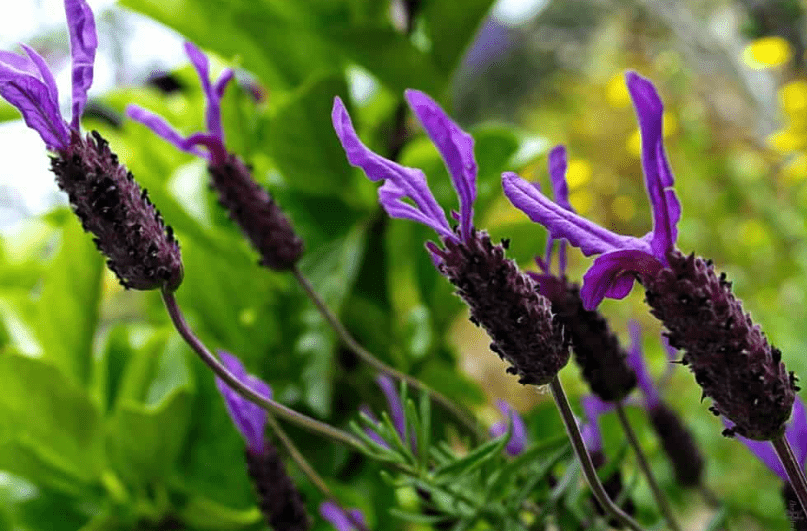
[249, 205]
[501, 298]
[729, 355]
[278, 497]
[339, 518]
[140, 249]
[518, 437]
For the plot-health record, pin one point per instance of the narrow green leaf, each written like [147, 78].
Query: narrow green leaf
[472, 461]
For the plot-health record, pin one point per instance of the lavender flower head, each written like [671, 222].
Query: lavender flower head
[518, 438]
[339, 518]
[729, 355]
[128, 230]
[278, 497]
[502, 299]
[249, 205]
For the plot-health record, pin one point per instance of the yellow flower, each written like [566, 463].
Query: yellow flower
[793, 97]
[767, 52]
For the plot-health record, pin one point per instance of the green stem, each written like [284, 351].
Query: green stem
[584, 458]
[271, 406]
[470, 424]
[661, 500]
[794, 471]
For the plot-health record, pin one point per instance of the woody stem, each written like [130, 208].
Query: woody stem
[794, 471]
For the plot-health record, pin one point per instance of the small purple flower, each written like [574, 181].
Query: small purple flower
[396, 408]
[518, 438]
[593, 407]
[339, 518]
[501, 298]
[636, 361]
[621, 257]
[249, 418]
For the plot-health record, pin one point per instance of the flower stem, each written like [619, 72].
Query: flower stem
[584, 458]
[469, 423]
[661, 500]
[271, 406]
[794, 471]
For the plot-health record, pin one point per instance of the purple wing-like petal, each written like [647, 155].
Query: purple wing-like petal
[593, 407]
[83, 43]
[249, 418]
[33, 99]
[557, 174]
[44, 72]
[406, 182]
[518, 438]
[456, 147]
[612, 275]
[636, 362]
[589, 237]
[18, 62]
[797, 432]
[338, 518]
[163, 129]
[213, 94]
[394, 403]
[392, 198]
[658, 176]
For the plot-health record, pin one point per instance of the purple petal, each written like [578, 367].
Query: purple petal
[406, 182]
[396, 411]
[224, 79]
[636, 362]
[593, 407]
[589, 237]
[249, 418]
[33, 99]
[612, 275]
[557, 174]
[518, 438]
[658, 176]
[391, 197]
[163, 129]
[338, 518]
[764, 452]
[44, 72]
[456, 147]
[797, 431]
[18, 62]
[213, 95]
[83, 43]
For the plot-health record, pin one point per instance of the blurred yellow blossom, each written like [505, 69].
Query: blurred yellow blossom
[767, 52]
[581, 200]
[578, 173]
[793, 97]
[786, 140]
[623, 207]
[616, 93]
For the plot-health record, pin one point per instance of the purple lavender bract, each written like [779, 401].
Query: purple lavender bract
[518, 438]
[140, 249]
[730, 357]
[501, 298]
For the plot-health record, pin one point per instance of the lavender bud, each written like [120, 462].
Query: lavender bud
[679, 445]
[129, 231]
[507, 305]
[729, 355]
[596, 348]
[278, 497]
[257, 213]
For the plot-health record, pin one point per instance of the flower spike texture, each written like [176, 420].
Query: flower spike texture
[502, 299]
[251, 207]
[729, 355]
[140, 249]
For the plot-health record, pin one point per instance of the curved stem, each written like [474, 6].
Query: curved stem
[794, 471]
[584, 458]
[379, 365]
[307, 469]
[661, 500]
[271, 406]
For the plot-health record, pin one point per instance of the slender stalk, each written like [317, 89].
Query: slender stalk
[379, 365]
[661, 500]
[794, 471]
[579, 446]
[271, 406]
[307, 469]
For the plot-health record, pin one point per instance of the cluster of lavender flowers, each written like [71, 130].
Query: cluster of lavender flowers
[534, 320]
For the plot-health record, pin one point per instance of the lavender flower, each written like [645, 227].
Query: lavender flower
[249, 205]
[396, 412]
[676, 439]
[502, 299]
[278, 497]
[128, 230]
[518, 438]
[338, 518]
[596, 348]
[729, 355]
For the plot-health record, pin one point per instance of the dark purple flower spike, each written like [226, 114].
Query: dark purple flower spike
[278, 497]
[249, 205]
[140, 248]
[339, 519]
[518, 438]
[501, 298]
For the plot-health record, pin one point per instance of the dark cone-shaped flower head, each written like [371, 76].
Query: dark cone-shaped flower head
[128, 229]
[506, 303]
[729, 355]
[278, 497]
[679, 445]
[257, 213]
